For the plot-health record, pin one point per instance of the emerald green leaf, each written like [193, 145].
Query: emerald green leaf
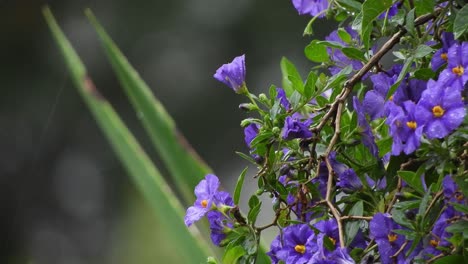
[253, 213]
[450, 259]
[402, 75]
[457, 227]
[146, 176]
[354, 53]
[344, 35]
[460, 25]
[291, 78]
[309, 86]
[412, 180]
[317, 52]
[240, 183]
[232, 255]
[352, 5]
[183, 163]
[424, 74]
[424, 6]
[371, 9]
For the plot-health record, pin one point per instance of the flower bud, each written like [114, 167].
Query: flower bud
[247, 107]
[276, 130]
[263, 98]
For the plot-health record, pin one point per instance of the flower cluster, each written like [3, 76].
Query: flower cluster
[367, 165]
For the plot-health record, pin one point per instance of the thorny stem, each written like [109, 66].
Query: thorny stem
[337, 107]
[356, 217]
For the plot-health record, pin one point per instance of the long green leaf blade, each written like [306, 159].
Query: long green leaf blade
[147, 177]
[181, 160]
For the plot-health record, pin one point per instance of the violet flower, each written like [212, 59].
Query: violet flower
[456, 74]
[367, 136]
[250, 132]
[294, 128]
[440, 57]
[442, 109]
[233, 74]
[405, 128]
[205, 192]
[381, 229]
[283, 99]
[219, 223]
[310, 7]
[297, 245]
[349, 182]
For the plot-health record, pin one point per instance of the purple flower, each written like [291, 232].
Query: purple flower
[441, 57]
[438, 236]
[405, 129]
[366, 131]
[393, 10]
[297, 244]
[294, 128]
[274, 248]
[328, 228]
[409, 89]
[283, 99]
[451, 191]
[250, 132]
[205, 192]
[338, 256]
[456, 73]
[442, 109]
[349, 182]
[219, 223]
[310, 7]
[381, 229]
[233, 74]
[338, 57]
[379, 185]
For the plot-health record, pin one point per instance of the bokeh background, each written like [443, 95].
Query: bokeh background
[64, 197]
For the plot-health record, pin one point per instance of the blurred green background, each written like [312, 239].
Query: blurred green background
[64, 196]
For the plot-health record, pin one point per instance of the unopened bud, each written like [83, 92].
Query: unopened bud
[276, 130]
[259, 192]
[263, 98]
[247, 107]
[259, 159]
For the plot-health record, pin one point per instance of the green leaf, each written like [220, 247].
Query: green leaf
[410, 22]
[450, 259]
[412, 180]
[240, 183]
[354, 53]
[424, 74]
[254, 210]
[352, 227]
[146, 176]
[384, 146]
[317, 52]
[457, 227]
[344, 35]
[460, 25]
[371, 9]
[289, 73]
[231, 255]
[183, 163]
[422, 51]
[402, 75]
[309, 87]
[352, 5]
[424, 6]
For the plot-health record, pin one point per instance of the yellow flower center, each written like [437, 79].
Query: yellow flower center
[434, 242]
[438, 111]
[204, 203]
[392, 237]
[459, 196]
[444, 56]
[411, 124]
[459, 70]
[391, 98]
[332, 240]
[300, 249]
